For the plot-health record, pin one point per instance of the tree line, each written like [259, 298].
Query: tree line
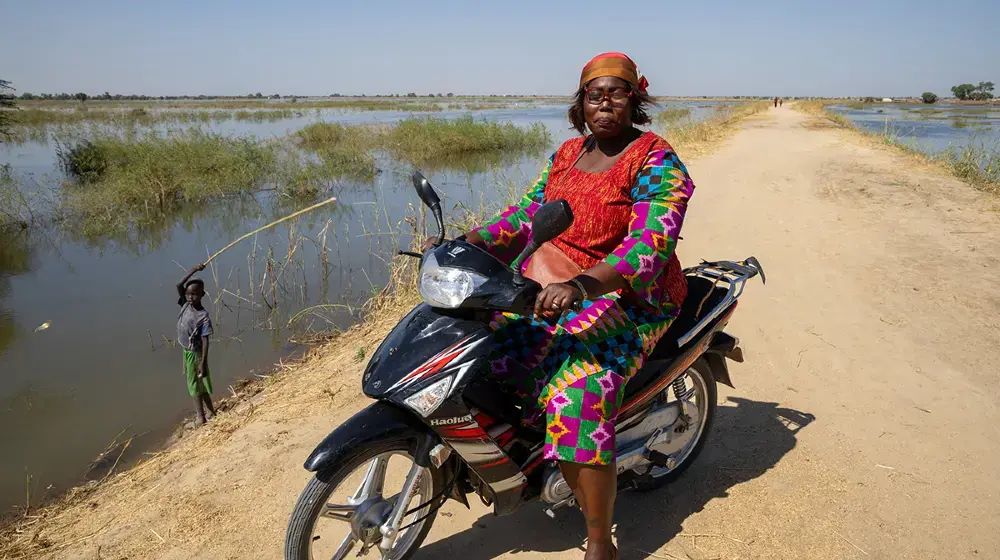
[965, 92]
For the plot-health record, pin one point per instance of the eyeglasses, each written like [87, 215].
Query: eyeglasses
[617, 96]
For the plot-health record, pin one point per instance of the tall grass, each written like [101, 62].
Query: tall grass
[15, 210]
[978, 165]
[341, 150]
[975, 163]
[426, 141]
[33, 118]
[697, 137]
[119, 180]
[672, 115]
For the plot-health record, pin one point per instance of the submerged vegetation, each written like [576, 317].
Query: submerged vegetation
[435, 141]
[672, 115]
[117, 181]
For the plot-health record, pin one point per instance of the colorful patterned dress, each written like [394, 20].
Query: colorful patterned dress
[575, 372]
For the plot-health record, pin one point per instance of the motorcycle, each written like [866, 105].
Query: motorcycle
[457, 431]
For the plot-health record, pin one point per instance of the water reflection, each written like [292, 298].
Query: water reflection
[15, 258]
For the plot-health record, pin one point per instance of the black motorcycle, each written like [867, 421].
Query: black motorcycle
[456, 431]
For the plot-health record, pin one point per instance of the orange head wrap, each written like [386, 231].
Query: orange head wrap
[614, 64]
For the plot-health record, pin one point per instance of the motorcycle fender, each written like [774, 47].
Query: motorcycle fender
[720, 370]
[378, 422]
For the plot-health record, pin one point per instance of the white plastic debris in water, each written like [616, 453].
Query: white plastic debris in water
[43, 326]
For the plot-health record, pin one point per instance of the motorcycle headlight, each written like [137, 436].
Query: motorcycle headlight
[428, 399]
[445, 286]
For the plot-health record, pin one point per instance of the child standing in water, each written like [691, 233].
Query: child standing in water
[194, 326]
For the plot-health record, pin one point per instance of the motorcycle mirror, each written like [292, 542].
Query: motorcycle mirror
[550, 221]
[425, 191]
[430, 199]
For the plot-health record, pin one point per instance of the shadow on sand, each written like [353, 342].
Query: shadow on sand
[748, 438]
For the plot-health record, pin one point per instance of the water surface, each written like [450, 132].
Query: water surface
[930, 128]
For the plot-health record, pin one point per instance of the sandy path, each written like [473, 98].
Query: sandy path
[864, 423]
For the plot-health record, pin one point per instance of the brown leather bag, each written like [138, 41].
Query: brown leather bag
[549, 265]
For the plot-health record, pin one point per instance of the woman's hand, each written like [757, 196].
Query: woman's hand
[555, 299]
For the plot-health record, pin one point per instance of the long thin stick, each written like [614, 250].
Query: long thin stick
[276, 222]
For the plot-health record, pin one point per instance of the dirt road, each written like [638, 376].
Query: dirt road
[864, 423]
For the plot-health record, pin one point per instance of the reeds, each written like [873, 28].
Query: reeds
[425, 140]
[117, 179]
[672, 115]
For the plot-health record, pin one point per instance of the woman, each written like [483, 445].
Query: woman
[628, 192]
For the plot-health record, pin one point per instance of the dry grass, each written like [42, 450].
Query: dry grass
[699, 137]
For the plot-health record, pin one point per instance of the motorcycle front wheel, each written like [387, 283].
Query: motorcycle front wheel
[343, 508]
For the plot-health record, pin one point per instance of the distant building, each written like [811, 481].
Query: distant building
[886, 100]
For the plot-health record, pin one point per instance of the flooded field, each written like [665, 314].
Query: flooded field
[930, 128]
[87, 319]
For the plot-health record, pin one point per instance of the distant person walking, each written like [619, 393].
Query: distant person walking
[194, 326]
[776, 102]
[781, 102]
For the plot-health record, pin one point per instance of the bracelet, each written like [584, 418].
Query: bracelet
[579, 286]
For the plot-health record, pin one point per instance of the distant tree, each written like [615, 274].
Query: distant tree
[411, 94]
[451, 94]
[983, 91]
[26, 96]
[929, 97]
[107, 95]
[963, 91]
[258, 95]
[276, 96]
[82, 97]
[6, 107]
[295, 99]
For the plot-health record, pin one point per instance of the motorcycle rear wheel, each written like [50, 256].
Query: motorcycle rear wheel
[304, 539]
[701, 381]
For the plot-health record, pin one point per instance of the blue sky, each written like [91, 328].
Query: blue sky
[318, 47]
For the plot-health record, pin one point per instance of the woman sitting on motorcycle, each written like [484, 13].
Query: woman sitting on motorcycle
[628, 192]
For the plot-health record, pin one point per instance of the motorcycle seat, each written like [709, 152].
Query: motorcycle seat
[667, 348]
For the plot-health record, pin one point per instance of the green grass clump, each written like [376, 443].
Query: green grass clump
[341, 151]
[672, 115]
[117, 181]
[426, 141]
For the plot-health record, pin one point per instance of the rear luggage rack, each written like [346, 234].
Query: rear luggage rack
[735, 274]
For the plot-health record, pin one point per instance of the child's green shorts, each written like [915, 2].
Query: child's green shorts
[196, 386]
